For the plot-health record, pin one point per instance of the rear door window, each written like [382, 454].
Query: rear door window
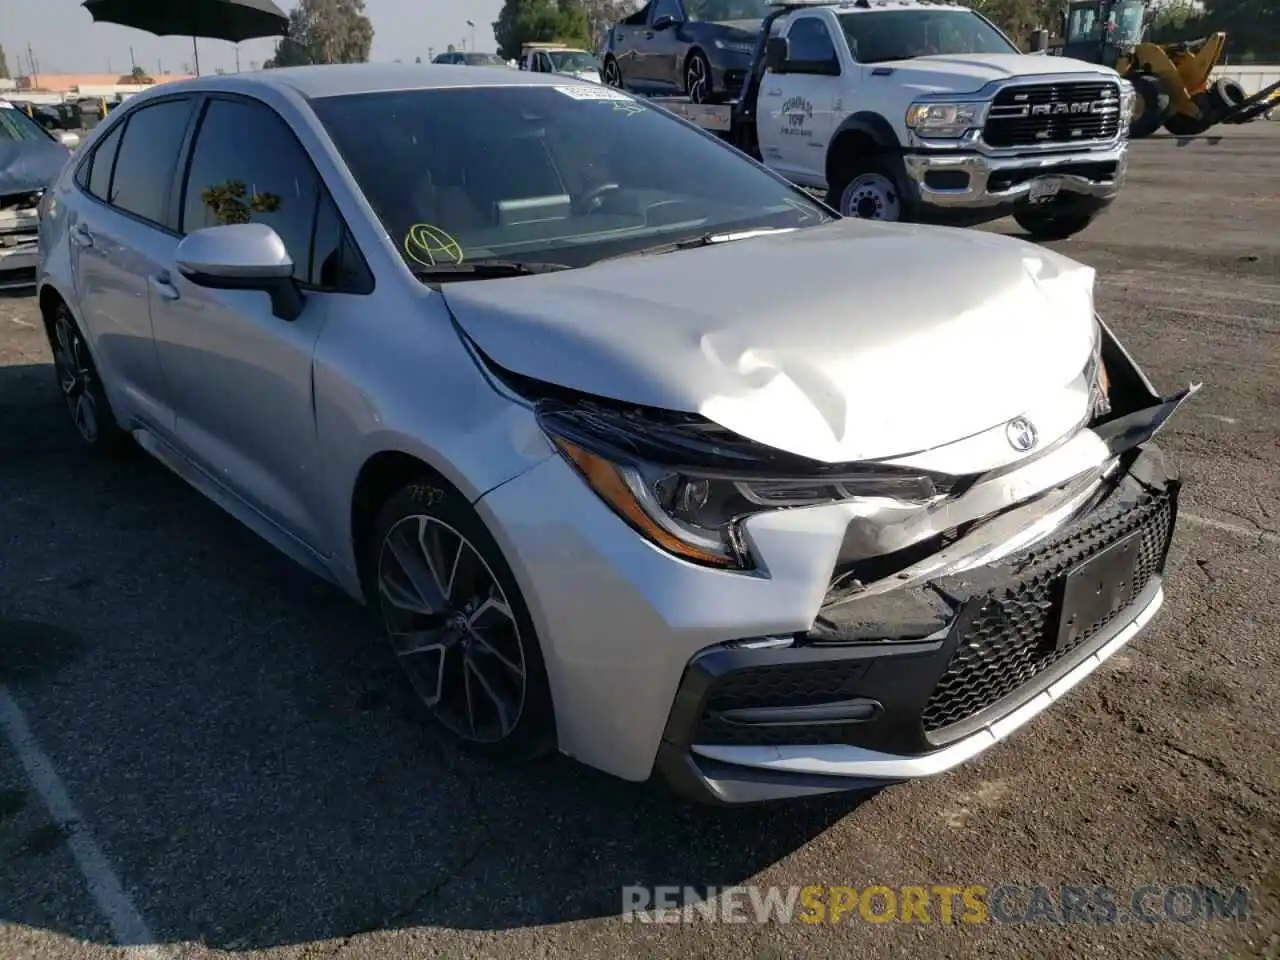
[102, 162]
[147, 158]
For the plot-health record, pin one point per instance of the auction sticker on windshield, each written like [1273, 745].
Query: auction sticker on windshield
[593, 92]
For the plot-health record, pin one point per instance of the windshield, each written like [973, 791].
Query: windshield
[906, 34]
[719, 10]
[16, 125]
[572, 61]
[553, 174]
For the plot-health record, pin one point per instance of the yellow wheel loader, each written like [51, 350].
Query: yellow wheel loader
[1172, 82]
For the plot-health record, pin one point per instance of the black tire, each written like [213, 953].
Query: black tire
[428, 504]
[1046, 225]
[81, 386]
[697, 78]
[1181, 125]
[1150, 106]
[867, 187]
[611, 73]
[1226, 94]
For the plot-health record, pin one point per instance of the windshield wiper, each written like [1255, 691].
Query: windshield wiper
[485, 269]
[705, 240]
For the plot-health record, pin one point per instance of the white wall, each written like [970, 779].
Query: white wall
[1253, 77]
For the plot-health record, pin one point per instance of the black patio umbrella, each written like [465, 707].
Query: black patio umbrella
[233, 20]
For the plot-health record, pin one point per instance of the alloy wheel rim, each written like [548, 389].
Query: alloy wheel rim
[696, 80]
[70, 360]
[452, 629]
[871, 196]
[612, 76]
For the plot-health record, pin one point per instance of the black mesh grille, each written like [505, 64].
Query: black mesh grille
[781, 685]
[1011, 639]
[1045, 113]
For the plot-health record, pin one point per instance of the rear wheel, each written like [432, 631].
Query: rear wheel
[458, 625]
[1044, 225]
[1150, 104]
[611, 73]
[81, 386]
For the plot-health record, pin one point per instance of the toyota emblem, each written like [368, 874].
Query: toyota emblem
[1021, 433]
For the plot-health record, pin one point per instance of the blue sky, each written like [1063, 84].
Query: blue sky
[65, 39]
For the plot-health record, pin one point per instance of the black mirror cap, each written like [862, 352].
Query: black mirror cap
[775, 53]
[286, 298]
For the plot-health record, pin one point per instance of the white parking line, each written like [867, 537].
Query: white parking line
[1265, 536]
[127, 925]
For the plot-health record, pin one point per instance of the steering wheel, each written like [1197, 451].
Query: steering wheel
[591, 201]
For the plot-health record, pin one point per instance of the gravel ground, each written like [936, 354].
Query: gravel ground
[234, 741]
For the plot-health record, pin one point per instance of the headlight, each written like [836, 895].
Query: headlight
[735, 46]
[1099, 381]
[695, 511]
[943, 119]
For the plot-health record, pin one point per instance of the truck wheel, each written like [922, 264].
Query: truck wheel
[867, 190]
[697, 78]
[611, 74]
[1042, 225]
[1226, 94]
[1151, 103]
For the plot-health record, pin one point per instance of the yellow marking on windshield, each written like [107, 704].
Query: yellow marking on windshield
[429, 245]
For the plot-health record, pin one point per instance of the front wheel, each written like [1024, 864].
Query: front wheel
[1042, 225]
[697, 78]
[867, 190]
[458, 625]
[1150, 105]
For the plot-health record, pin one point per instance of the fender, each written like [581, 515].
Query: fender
[872, 125]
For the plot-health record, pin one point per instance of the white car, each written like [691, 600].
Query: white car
[636, 451]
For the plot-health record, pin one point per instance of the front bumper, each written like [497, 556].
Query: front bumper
[815, 712]
[949, 184]
[19, 248]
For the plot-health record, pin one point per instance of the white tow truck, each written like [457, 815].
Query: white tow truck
[926, 111]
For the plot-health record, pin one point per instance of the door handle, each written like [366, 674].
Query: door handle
[163, 287]
[81, 236]
[648, 34]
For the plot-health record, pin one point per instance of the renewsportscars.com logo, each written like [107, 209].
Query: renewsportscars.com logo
[941, 904]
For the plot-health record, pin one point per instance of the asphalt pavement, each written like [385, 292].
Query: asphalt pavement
[208, 749]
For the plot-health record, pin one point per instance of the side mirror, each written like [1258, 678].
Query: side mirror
[663, 22]
[1039, 41]
[242, 256]
[69, 139]
[775, 54]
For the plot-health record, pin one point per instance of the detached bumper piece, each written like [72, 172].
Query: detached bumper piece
[915, 682]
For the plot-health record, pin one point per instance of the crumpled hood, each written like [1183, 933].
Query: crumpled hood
[29, 165]
[970, 72]
[848, 341]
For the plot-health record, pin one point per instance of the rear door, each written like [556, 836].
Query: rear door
[241, 377]
[122, 242]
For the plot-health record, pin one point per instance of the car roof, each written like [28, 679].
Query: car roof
[335, 80]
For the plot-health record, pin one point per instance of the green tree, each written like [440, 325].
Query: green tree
[325, 31]
[4, 65]
[528, 21]
[1018, 18]
[136, 75]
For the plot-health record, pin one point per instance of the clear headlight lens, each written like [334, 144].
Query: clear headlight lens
[735, 46]
[696, 514]
[1099, 381]
[943, 119]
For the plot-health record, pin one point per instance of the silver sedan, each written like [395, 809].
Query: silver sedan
[637, 451]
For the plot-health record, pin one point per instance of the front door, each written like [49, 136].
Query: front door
[240, 378]
[799, 104]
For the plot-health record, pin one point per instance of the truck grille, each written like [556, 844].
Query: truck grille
[1045, 113]
[1010, 639]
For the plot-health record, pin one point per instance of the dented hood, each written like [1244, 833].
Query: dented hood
[848, 341]
[29, 165]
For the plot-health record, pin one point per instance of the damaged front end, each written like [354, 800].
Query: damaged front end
[19, 238]
[958, 606]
